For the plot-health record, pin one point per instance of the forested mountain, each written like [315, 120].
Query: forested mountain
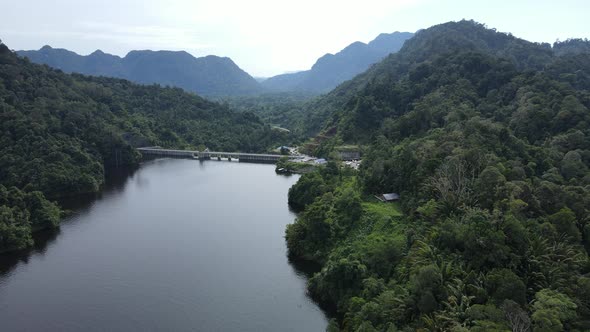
[210, 75]
[417, 60]
[58, 132]
[333, 69]
[486, 137]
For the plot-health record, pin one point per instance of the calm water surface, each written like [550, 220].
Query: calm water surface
[179, 245]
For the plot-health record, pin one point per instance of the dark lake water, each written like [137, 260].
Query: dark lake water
[179, 245]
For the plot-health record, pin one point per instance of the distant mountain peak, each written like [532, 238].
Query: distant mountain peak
[382, 36]
[355, 45]
[216, 57]
[183, 54]
[97, 52]
[332, 69]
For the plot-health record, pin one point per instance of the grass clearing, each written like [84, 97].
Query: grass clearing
[383, 210]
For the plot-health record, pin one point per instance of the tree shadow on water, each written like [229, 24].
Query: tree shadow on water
[116, 179]
[307, 269]
[43, 239]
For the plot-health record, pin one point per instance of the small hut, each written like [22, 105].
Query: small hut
[388, 198]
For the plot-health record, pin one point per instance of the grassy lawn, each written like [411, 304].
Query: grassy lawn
[293, 166]
[382, 210]
[378, 217]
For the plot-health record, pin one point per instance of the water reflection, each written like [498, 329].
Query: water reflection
[43, 240]
[116, 178]
[115, 181]
[308, 269]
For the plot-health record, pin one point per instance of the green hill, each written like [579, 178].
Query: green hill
[486, 138]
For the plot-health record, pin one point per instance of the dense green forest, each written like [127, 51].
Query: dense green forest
[21, 213]
[285, 110]
[486, 138]
[60, 131]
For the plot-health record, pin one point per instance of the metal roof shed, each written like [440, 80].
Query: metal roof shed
[391, 197]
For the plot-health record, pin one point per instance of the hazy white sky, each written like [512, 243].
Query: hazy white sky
[267, 37]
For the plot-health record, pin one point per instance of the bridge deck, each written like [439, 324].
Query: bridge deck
[212, 154]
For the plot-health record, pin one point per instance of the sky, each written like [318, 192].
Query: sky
[267, 37]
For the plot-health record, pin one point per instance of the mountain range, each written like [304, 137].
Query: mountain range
[332, 69]
[209, 76]
[220, 76]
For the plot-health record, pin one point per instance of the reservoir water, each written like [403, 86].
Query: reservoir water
[179, 245]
